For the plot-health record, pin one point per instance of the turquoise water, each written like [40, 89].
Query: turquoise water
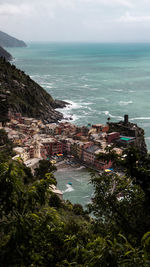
[75, 185]
[100, 80]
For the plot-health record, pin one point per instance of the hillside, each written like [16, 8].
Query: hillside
[5, 54]
[19, 93]
[8, 41]
[38, 229]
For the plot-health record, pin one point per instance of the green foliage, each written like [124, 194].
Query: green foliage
[44, 167]
[55, 201]
[37, 229]
[119, 205]
[5, 147]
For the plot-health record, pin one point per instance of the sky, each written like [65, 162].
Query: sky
[76, 20]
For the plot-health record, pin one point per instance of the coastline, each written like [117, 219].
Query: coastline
[74, 165]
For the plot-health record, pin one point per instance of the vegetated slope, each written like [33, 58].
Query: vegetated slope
[38, 229]
[8, 41]
[19, 93]
[5, 54]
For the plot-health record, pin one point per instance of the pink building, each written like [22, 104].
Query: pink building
[52, 146]
[100, 165]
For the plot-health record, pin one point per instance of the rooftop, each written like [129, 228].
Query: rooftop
[92, 149]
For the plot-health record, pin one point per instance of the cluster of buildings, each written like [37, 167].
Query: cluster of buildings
[34, 141]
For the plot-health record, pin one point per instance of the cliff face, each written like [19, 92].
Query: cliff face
[18, 93]
[8, 41]
[5, 54]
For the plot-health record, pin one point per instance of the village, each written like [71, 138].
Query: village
[34, 140]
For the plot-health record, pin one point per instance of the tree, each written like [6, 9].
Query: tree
[44, 167]
[119, 205]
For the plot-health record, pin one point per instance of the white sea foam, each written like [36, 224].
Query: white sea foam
[47, 75]
[115, 117]
[80, 168]
[48, 86]
[140, 118]
[106, 112]
[115, 90]
[86, 103]
[73, 117]
[14, 60]
[73, 105]
[69, 189]
[118, 90]
[36, 76]
[84, 86]
[125, 103]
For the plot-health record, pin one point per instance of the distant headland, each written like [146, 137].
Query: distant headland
[8, 41]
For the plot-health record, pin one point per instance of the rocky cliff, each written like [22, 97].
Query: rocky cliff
[5, 54]
[8, 41]
[19, 93]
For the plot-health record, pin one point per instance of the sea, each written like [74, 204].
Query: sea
[99, 80]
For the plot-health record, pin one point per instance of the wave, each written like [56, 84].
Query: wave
[14, 60]
[35, 76]
[69, 189]
[115, 90]
[73, 105]
[106, 112]
[70, 117]
[140, 118]
[86, 103]
[48, 86]
[116, 117]
[47, 75]
[87, 196]
[118, 90]
[125, 103]
[84, 86]
[80, 168]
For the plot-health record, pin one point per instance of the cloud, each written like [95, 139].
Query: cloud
[124, 3]
[53, 20]
[11, 9]
[14, 5]
[130, 19]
